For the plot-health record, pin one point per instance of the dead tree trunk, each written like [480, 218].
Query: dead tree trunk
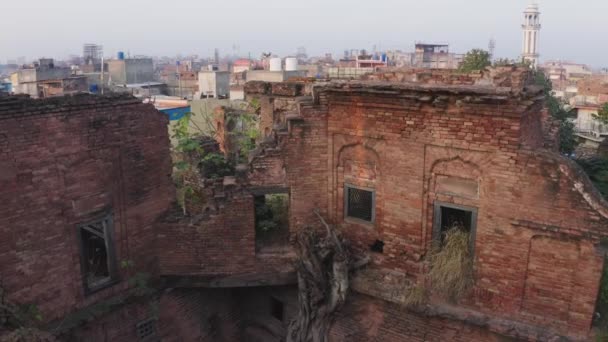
[323, 266]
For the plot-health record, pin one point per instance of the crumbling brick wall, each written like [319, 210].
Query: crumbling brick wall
[505, 76]
[215, 244]
[365, 318]
[299, 148]
[178, 315]
[482, 142]
[63, 162]
[219, 240]
[380, 141]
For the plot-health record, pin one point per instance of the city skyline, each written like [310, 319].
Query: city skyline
[281, 27]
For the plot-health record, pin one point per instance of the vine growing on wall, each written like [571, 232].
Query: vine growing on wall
[567, 138]
[21, 323]
[191, 160]
[245, 132]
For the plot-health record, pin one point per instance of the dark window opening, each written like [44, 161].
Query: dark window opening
[455, 218]
[276, 308]
[97, 254]
[359, 203]
[271, 219]
[146, 330]
[377, 246]
[450, 216]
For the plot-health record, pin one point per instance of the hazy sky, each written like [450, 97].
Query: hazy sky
[571, 29]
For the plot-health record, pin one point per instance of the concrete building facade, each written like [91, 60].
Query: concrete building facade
[214, 84]
[27, 80]
[273, 76]
[131, 70]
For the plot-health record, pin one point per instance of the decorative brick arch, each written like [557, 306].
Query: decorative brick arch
[358, 164]
[360, 153]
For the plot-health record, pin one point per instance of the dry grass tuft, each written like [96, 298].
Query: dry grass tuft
[416, 296]
[451, 266]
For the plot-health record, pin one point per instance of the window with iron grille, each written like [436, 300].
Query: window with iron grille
[97, 258]
[359, 203]
[146, 330]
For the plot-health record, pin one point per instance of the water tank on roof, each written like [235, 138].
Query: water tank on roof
[291, 64]
[275, 64]
[121, 55]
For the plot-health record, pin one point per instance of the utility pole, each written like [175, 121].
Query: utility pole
[102, 78]
[179, 79]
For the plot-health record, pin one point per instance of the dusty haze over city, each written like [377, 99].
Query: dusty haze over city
[572, 30]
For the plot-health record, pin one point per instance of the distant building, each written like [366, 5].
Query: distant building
[310, 70]
[592, 95]
[273, 76]
[347, 72]
[96, 81]
[531, 31]
[215, 84]
[399, 58]
[142, 90]
[43, 79]
[435, 56]
[63, 86]
[566, 71]
[241, 65]
[183, 84]
[371, 61]
[92, 53]
[131, 70]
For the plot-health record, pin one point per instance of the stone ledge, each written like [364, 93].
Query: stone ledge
[232, 280]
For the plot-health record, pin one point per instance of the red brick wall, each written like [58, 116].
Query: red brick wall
[364, 318]
[63, 161]
[301, 150]
[532, 129]
[400, 147]
[180, 315]
[404, 140]
[220, 242]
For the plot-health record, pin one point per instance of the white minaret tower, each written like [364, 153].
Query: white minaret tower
[531, 28]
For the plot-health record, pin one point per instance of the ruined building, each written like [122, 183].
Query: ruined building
[390, 162]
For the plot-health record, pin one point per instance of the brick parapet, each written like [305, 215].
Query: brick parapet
[20, 106]
[508, 76]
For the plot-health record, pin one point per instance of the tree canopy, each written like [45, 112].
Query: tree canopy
[602, 115]
[474, 60]
[567, 139]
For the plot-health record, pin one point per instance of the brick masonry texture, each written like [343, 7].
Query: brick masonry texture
[537, 249]
[179, 315]
[64, 162]
[417, 138]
